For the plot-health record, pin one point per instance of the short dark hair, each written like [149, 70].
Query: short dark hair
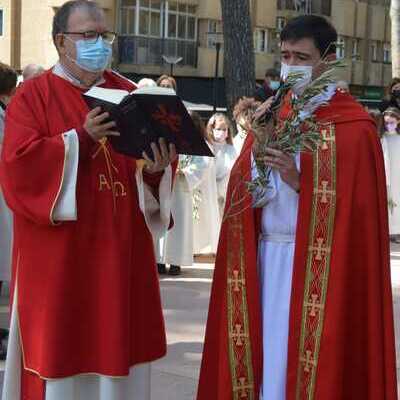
[8, 79]
[312, 27]
[273, 73]
[61, 17]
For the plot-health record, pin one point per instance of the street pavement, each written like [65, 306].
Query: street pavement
[185, 303]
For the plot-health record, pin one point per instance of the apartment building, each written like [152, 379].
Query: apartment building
[182, 29]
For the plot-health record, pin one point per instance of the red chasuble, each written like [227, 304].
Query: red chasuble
[88, 294]
[341, 336]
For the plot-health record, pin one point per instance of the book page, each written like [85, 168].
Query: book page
[114, 96]
[156, 90]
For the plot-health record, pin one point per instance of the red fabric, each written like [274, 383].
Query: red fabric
[88, 290]
[357, 353]
[32, 387]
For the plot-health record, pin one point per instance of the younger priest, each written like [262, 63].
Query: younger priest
[86, 312]
[301, 304]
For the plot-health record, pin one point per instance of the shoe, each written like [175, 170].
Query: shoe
[174, 270]
[162, 269]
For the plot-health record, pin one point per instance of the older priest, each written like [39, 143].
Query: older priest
[86, 314]
[301, 305]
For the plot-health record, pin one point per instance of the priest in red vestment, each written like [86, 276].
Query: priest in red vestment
[301, 303]
[86, 310]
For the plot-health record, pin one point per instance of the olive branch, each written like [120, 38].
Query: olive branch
[298, 132]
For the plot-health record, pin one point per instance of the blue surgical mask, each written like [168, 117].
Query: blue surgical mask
[92, 57]
[274, 85]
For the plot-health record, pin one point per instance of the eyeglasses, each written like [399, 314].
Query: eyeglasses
[93, 36]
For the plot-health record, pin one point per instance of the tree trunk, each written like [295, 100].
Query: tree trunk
[239, 63]
[395, 18]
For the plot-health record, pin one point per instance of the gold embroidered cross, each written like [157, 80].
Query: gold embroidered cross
[324, 192]
[326, 139]
[237, 335]
[236, 281]
[314, 305]
[320, 249]
[243, 388]
[308, 361]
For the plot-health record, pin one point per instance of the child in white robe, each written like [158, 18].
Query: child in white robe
[219, 130]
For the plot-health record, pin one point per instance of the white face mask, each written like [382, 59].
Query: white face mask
[220, 135]
[302, 82]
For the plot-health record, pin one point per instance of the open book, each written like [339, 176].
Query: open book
[144, 116]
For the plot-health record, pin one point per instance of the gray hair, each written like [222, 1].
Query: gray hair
[61, 17]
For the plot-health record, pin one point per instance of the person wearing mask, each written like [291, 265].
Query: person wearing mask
[243, 115]
[219, 129]
[86, 315]
[301, 305]
[270, 85]
[393, 99]
[391, 140]
[206, 217]
[178, 243]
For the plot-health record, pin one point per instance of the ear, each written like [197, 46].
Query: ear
[60, 43]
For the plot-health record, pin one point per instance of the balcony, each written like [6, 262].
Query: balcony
[149, 51]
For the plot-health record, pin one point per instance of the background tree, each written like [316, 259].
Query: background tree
[395, 18]
[239, 63]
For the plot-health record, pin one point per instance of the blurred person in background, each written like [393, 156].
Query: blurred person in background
[178, 243]
[167, 81]
[8, 83]
[220, 131]
[270, 85]
[393, 95]
[391, 149]
[146, 82]
[243, 115]
[31, 71]
[206, 218]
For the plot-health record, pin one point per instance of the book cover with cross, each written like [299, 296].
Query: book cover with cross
[146, 115]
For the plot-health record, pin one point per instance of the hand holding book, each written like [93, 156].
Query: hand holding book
[143, 117]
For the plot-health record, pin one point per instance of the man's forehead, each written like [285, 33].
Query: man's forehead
[305, 45]
[83, 20]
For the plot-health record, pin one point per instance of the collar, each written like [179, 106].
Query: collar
[2, 106]
[63, 73]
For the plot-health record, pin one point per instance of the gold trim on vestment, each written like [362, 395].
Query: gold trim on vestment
[239, 346]
[318, 263]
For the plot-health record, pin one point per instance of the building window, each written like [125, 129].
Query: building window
[261, 40]
[214, 26]
[307, 6]
[340, 48]
[150, 29]
[1, 22]
[149, 17]
[374, 51]
[280, 23]
[355, 55]
[181, 21]
[387, 53]
[128, 18]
